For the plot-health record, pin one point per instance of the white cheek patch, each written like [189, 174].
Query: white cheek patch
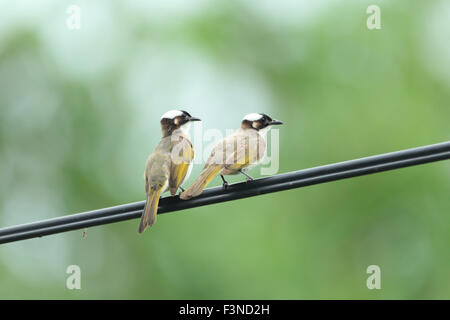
[253, 117]
[185, 128]
[172, 114]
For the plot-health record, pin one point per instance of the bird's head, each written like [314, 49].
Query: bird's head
[176, 119]
[259, 122]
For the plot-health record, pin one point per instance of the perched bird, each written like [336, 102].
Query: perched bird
[236, 153]
[170, 164]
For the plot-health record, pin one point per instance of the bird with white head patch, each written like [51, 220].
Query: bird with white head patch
[236, 153]
[169, 165]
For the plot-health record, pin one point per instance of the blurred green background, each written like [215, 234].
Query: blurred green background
[79, 114]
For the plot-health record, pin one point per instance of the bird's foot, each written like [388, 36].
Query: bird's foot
[225, 183]
[248, 177]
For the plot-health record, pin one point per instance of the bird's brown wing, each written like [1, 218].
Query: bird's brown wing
[223, 150]
[182, 156]
[249, 148]
[156, 176]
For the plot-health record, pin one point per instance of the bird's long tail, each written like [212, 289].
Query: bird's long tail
[202, 181]
[150, 210]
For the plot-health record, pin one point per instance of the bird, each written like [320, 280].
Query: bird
[236, 153]
[170, 164]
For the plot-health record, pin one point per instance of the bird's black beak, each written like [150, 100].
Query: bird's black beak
[276, 122]
[194, 119]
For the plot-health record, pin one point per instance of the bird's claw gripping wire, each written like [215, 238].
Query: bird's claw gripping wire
[249, 178]
[225, 183]
[182, 190]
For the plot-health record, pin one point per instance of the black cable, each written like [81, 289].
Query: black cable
[280, 182]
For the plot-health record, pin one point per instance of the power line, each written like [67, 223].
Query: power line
[280, 182]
